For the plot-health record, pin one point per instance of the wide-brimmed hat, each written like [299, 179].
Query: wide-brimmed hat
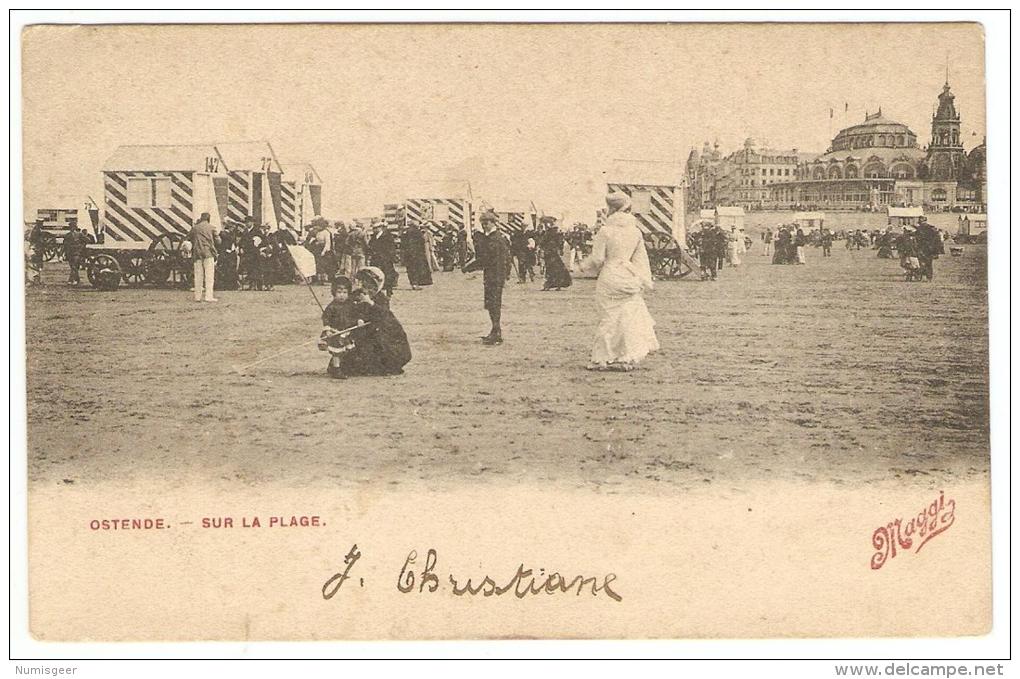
[373, 272]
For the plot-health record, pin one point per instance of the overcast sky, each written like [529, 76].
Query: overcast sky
[529, 112]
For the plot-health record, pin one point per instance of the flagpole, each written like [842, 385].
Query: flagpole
[304, 279]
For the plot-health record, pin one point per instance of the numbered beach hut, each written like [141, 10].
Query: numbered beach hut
[152, 191]
[255, 182]
[656, 191]
[300, 195]
[439, 200]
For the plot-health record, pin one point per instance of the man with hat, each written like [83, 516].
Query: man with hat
[929, 247]
[492, 253]
[75, 251]
[203, 254]
[906, 246]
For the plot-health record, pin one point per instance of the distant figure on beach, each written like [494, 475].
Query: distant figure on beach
[413, 248]
[557, 274]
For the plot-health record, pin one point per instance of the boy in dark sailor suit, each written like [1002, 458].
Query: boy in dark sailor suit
[492, 256]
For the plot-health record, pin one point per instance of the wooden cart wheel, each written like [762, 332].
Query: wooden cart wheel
[671, 265]
[100, 262]
[90, 273]
[52, 248]
[132, 265]
[164, 264]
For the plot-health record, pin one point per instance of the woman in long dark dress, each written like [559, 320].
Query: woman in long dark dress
[556, 275]
[416, 259]
[380, 345]
[782, 252]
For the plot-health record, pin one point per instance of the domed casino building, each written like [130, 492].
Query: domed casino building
[878, 162]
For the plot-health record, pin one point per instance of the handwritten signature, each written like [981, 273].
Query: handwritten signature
[932, 520]
[523, 583]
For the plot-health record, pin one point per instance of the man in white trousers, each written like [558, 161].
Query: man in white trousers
[203, 253]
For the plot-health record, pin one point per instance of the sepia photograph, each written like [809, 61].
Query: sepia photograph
[411, 331]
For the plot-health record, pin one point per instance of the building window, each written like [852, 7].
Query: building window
[641, 201]
[441, 212]
[151, 192]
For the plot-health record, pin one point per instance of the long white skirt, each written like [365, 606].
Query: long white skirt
[626, 332]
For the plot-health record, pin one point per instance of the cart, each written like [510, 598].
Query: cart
[667, 259]
[159, 263]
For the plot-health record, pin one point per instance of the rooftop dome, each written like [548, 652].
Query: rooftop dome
[876, 123]
[978, 153]
[885, 154]
[876, 131]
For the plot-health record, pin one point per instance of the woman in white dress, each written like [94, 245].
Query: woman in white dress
[735, 248]
[626, 332]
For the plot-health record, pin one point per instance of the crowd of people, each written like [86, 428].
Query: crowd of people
[362, 335]
[714, 247]
[789, 243]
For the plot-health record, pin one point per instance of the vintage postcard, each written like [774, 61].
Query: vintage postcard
[506, 331]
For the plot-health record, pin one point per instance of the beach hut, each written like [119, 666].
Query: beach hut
[899, 217]
[439, 201]
[729, 217]
[300, 195]
[65, 212]
[972, 227]
[656, 191]
[152, 191]
[512, 216]
[255, 182]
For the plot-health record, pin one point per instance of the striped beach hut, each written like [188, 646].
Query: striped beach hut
[656, 191]
[511, 215]
[65, 212]
[439, 201]
[150, 191]
[301, 195]
[255, 182]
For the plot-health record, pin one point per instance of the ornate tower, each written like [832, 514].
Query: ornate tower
[945, 153]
